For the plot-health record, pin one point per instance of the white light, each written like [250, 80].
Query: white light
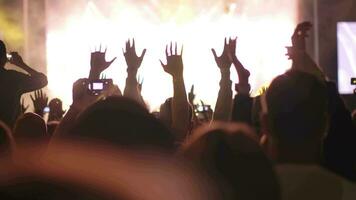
[198, 25]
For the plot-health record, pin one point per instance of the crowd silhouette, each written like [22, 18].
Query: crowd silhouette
[296, 140]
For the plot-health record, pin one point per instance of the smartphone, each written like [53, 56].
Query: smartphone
[96, 87]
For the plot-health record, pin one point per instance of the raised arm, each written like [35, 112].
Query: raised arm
[132, 88]
[223, 105]
[242, 106]
[34, 80]
[180, 105]
[298, 54]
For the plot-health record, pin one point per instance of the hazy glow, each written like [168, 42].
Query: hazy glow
[263, 27]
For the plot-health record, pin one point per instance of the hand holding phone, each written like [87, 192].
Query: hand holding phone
[97, 87]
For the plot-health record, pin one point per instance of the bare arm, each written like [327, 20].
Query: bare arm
[133, 64]
[180, 105]
[223, 105]
[34, 81]
[242, 106]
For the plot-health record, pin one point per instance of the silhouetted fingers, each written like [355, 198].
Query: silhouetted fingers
[202, 103]
[171, 48]
[32, 98]
[143, 53]
[163, 65]
[167, 51]
[176, 49]
[133, 43]
[127, 45]
[181, 51]
[112, 61]
[192, 89]
[214, 53]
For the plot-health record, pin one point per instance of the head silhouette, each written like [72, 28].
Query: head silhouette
[297, 114]
[3, 58]
[55, 105]
[55, 110]
[30, 126]
[124, 122]
[230, 154]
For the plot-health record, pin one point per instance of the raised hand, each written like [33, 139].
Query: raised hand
[132, 60]
[16, 59]
[174, 65]
[242, 72]
[98, 63]
[300, 34]
[223, 61]
[40, 101]
[23, 108]
[301, 59]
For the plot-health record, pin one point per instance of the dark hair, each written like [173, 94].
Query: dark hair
[122, 121]
[3, 58]
[30, 126]
[297, 108]
[230, 154]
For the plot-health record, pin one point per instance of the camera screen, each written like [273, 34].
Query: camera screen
[97, 86]
[346, 37]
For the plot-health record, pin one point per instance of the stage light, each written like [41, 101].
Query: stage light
[198, 25]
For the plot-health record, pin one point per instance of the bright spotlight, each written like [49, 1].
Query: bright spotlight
[263, 29]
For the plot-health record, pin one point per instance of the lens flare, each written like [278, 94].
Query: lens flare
[263, 29]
